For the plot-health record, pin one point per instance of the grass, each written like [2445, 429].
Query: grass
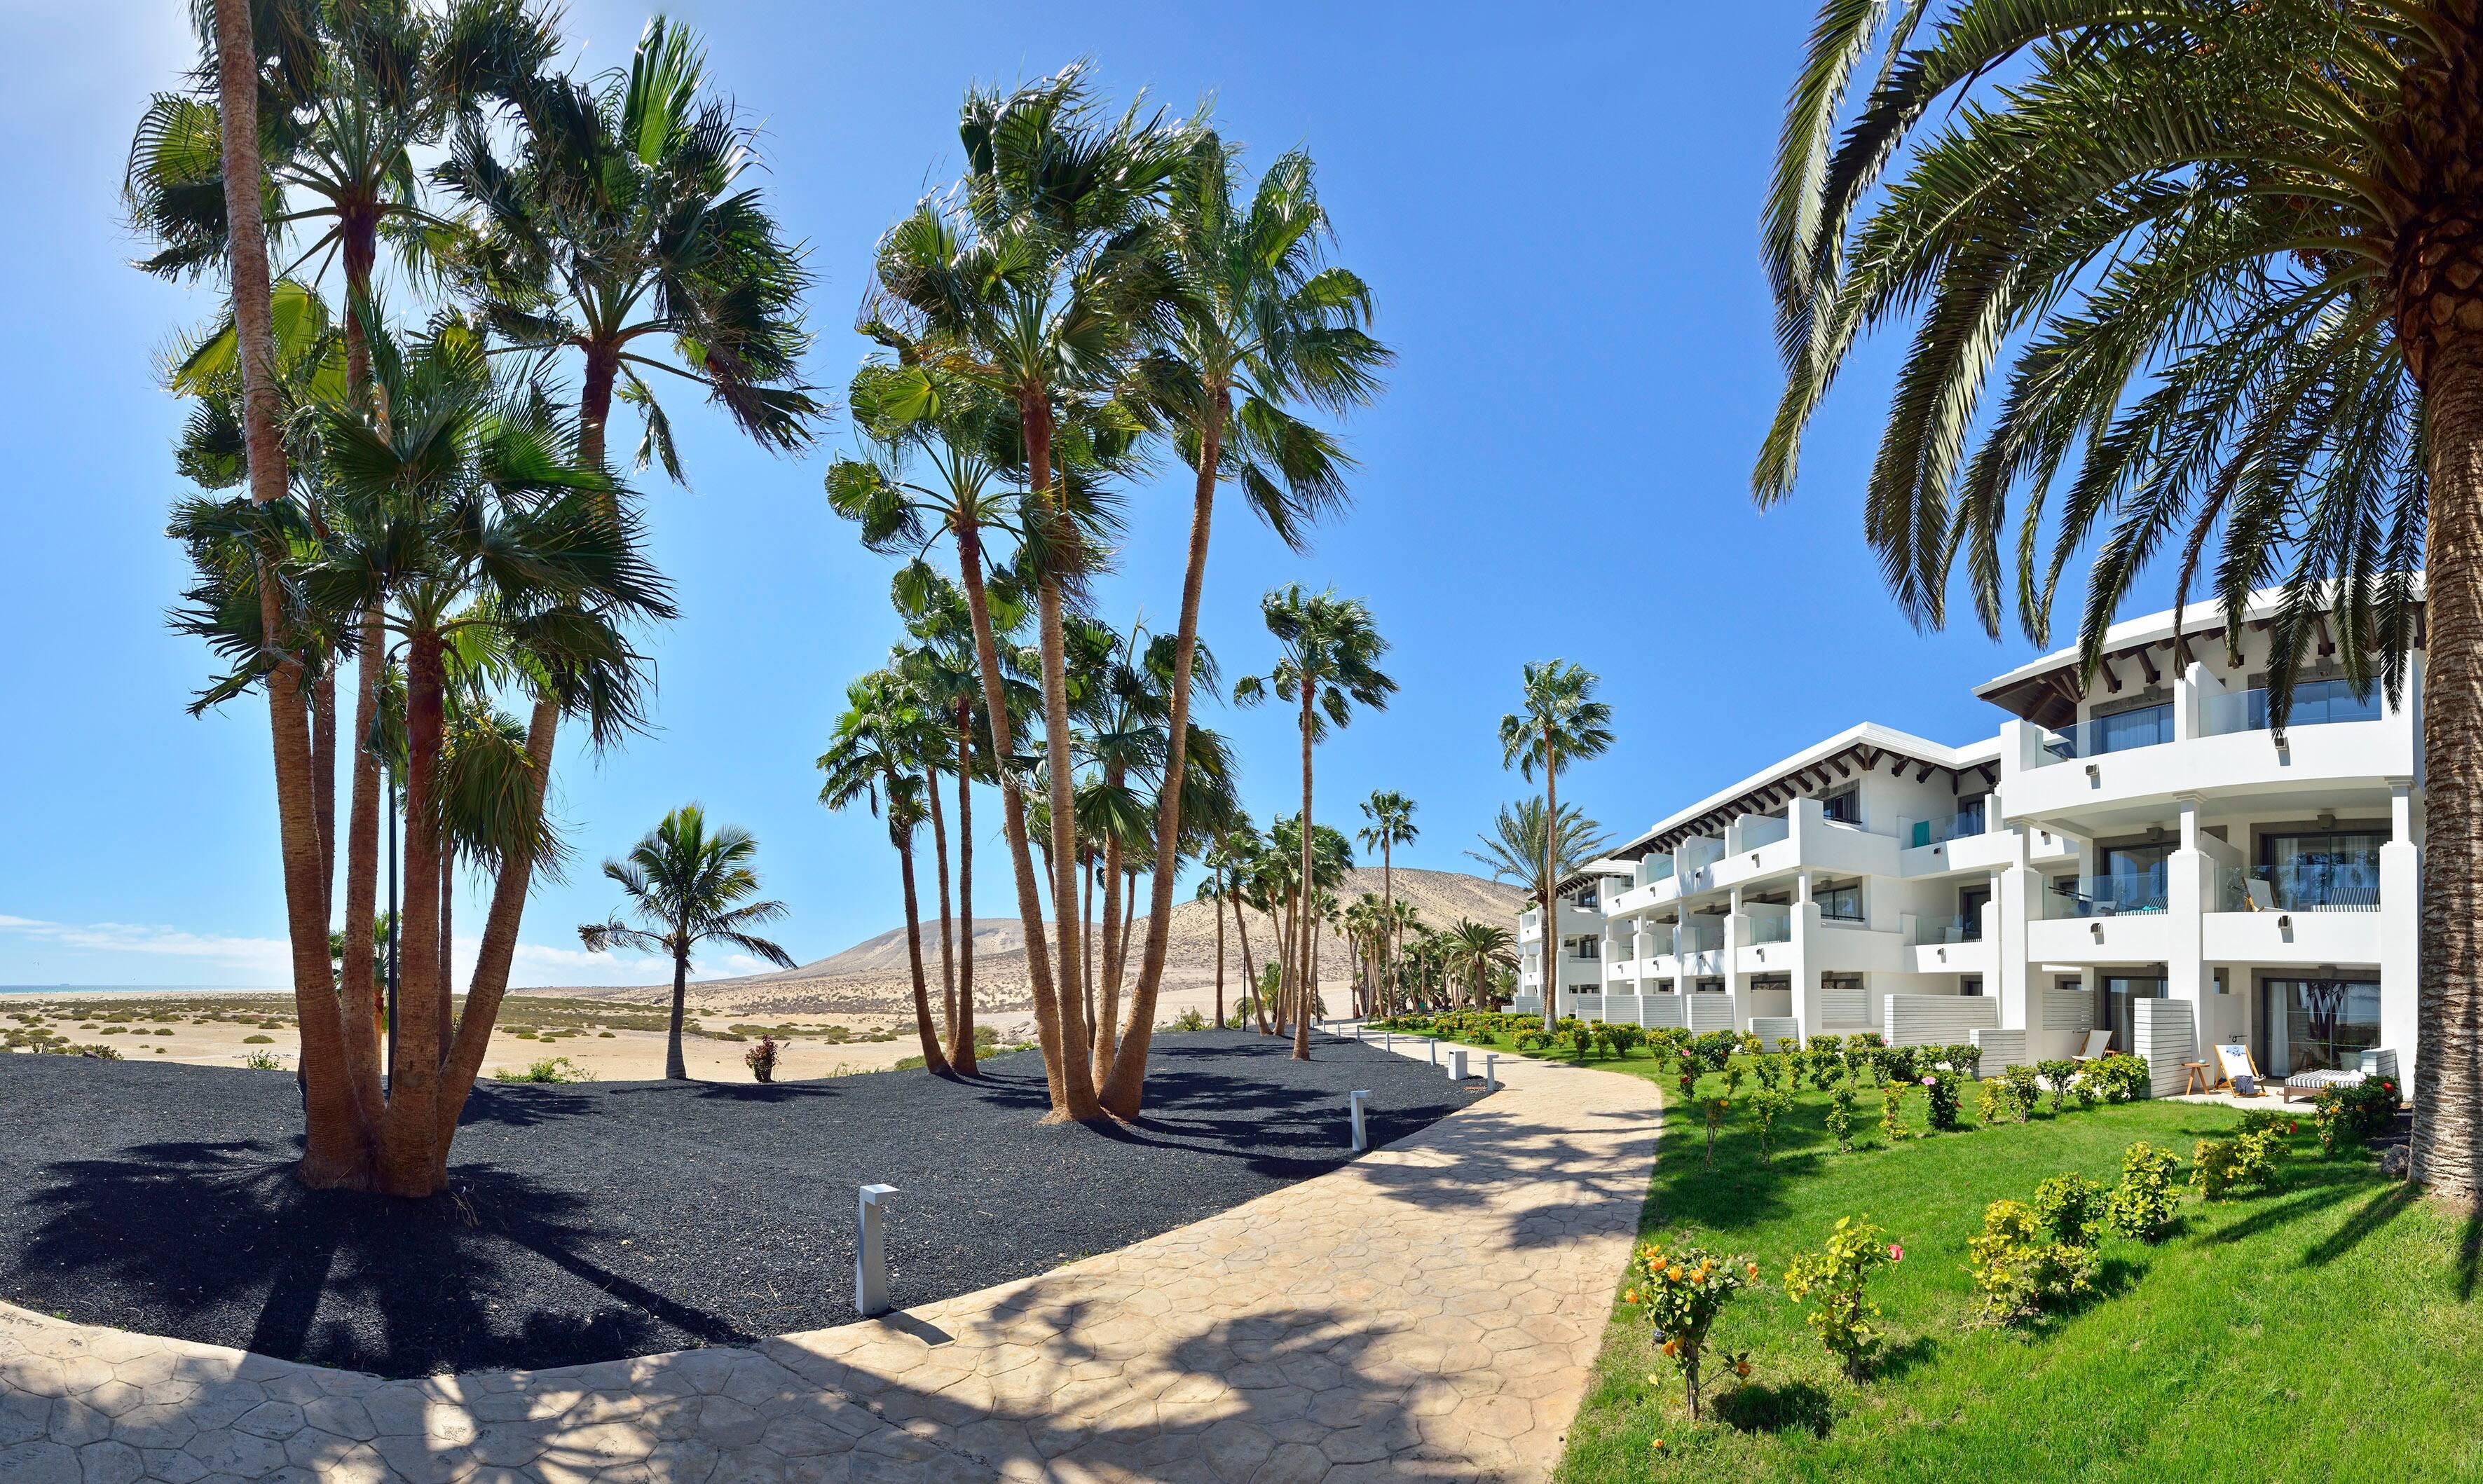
[2326, 1328]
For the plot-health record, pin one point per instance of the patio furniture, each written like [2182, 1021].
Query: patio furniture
[2241, 1073]
[2099, 1043]
[2311, 1084]
[2197, 1080]
[2263, 897]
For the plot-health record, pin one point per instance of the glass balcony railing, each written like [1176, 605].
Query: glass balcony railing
[1698, 854]
[2118, 732]
[2326, 886]
[2109, 896]
[1771, 927]
[1702, 935]
[1655, 868]
[1961, 929]
[2316, 703]
[1761, 830]
[1659, 943]
[1933, 832]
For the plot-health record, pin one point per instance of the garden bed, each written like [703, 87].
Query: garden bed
[2323, 1326]
[600, 1220]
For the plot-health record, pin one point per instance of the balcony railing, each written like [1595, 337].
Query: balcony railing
[2349, 887]
[1962, 928]
[1655, 868]
[1659, 942]
[1700, 853]
[1771, 927]
[2316, 703]
[1761, 830]
[1931, 831]
[2110, 896]
[2147, 727]
[1702, 935]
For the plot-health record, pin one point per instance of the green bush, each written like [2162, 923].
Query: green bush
[2071, 1206]
[263, 1061]
[259, 1040]
[761, 1058]
[1939, 1091]
[1892, 1111]
[1991, 1102]
[2118, 1075]
[2247, 1158]
[1828, 1043]
[1965, 1059]
[2020, 1272]
[1840, 1115]
[2057, 1074]
[2141, 1206]
[1896, 1063]
[1839, 1277]
[2349, 1117]
[1190, 1019]
[2025, 1087]
[1768, 1103]
[550, 1069]
[1714, 1049]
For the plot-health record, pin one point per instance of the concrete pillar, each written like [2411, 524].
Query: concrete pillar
[1737, 932]
[870, 1252]
[2190, 890]
[2400, 927]
[1353, 1101]
[2017, 900]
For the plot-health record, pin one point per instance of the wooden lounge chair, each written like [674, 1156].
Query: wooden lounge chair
[2099, 1043]
[2241, 1073]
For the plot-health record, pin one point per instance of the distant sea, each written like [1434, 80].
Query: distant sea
[140, 989]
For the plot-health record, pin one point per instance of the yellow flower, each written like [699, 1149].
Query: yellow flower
[1659, 1446]
[1754, 1269]
[1672, 1274]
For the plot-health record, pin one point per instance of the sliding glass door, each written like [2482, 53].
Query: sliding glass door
[2316, 1024]
[2114, 993]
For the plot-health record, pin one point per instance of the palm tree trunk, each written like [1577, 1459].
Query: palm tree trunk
[940, 862]
[1550, 934]
[498, 944]
[1309, 894]
[1249, 974]
[1029, 901]
[446, 1019]
[1077, 1067]
[933, 1060]
[1086, 942]
[1109, 1006]
[2447, 1152]
[407, 1166]
[961, 1049]
[675, 1070]
[356, 991]
[1385, 948]
[1219, 948]
[1125, 1087]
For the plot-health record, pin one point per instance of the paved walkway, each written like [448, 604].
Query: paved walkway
[1429, 1312]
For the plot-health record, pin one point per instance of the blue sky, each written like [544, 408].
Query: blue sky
[1557, 212]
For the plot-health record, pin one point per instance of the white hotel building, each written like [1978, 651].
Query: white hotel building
[2141, 857]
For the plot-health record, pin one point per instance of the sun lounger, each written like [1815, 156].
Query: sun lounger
[2099, 1043]
[2241, 1073]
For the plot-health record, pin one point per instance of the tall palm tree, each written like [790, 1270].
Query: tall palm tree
[1562, 723]
[878, 755]
[1513, 849]
[1027, 282]
[2238, 257]
[1332, 653]
[1391, 816]
[689, 886]
[1475, 949]
[1258, 322]
[1225, 857]
[625, 224]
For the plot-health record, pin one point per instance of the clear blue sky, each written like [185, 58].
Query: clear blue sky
[1557, 212]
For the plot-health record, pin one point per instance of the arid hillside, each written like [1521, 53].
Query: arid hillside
[870, 977]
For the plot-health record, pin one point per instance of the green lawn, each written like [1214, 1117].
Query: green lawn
[2327, 1328]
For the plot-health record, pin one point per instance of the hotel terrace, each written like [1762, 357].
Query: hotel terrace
[2142, 856]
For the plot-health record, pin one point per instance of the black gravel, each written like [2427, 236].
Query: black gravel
[610, 1219]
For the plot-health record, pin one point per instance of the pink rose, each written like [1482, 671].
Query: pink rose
[1896, 1254]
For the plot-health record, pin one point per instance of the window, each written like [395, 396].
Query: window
[2308, 873]
[2130, 878]
[1970, 814]
[1970, 984]
[2316, 1024]
[2315, 702]
[1845, 805]
[1840, 904]
[2114, 993]
[1970, 901]
[2139, 726]
[1586, 897]
[1586, 947]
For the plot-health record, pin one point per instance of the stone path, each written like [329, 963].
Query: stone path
[1429, 1312]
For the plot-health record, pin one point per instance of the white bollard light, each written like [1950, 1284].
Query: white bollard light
[1436, 1051]
[1354, 1102]
[870, 1252]
[1491, 1072]
[1388, 1041]
[1457, 1064]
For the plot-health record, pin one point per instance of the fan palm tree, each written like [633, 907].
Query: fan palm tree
[1226, 858]
[1026, 281]
[1475, 949]
[1562, 723]
[688, 885]
[1391, 816]
[1258, 322]
[878, 755]
[625, 223]
[1331, 654]
[2236, 256]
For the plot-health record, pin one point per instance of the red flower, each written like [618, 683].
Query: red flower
[1896, 1254]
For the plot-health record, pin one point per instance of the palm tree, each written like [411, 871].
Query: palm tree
[1475, 948]
[1258, 321]
[624, 223]
[877, 753]
[2234, 251]
[1562, 723]
[1332, 654]
[1392, 824]
[1513, 850]
[1225, 857]
[1029, 283]
[689, 886]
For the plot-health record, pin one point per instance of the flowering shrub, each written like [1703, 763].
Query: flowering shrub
[1715, 1108]
[2058, 1074]
[1940, 1091]
[1624, 1037]
[2247, 1158]
[2023, 1089]
[1831, 1044]
[2085, 1090]
[2071, 1206]
[1714, 1048]
[2118, 1075]
[1892, 1111]
[1681, 1293]
[1838, 1276]
[1965, 1059]
[761, 1059]
[1992, 1100]
[1896, 1063]
[1826, 1064]
[1686, 1073]
[2019, 1271]
[2348, 1116]
[2141, 1205]
[1840, 1117]
[1768, 1103]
